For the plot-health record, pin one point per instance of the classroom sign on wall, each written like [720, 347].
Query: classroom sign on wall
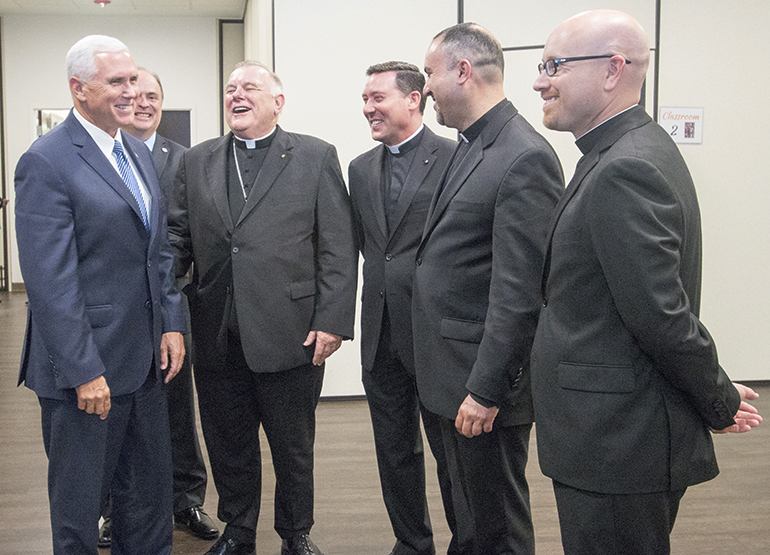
[685, 125]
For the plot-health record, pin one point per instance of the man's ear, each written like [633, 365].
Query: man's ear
[615, 69]
[76, 87]
[280, 100]
[414, 99]
[464, 69]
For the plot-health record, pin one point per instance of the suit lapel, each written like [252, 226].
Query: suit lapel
[94, 157]
[278, 156]
[160, 154]
[611, 131]
[216, 172]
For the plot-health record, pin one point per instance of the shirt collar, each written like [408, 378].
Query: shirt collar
[151, 141]
[100, 136]
[588, 140]
[475, 129]
[408, 144]
[253, 143]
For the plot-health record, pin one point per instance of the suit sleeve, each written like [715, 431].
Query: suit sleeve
[525, 201]
[179, 222]
[48, 257]
[353, 178]
[336, 252]
[638, 232]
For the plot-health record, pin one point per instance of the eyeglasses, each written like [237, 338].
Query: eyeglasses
[550, 66]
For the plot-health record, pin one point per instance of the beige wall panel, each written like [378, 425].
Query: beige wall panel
[712, 58]
[525, 23]
[322, 50]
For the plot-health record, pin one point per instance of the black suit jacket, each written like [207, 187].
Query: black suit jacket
[166, 155]
[389, 257]
[626, 380]
[476, 289]
[101, 290]
[288, 264]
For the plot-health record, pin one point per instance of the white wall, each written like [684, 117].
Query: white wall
[182, 50]
[711, 58]
[322, 48]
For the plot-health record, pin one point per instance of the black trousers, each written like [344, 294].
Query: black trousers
[234, 403]
[608, 524]
[395, 410]
[127, 453]
[491, 471]
[189, 468]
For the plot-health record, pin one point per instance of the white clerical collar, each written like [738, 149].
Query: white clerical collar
[252, 143]
[605, 121]
[396, 149]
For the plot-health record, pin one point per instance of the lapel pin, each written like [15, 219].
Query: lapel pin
[426, 161]
[283, 156]
[164, 149]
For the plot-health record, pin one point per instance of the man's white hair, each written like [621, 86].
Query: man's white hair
[81, 61]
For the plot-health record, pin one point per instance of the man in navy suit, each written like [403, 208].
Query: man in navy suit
[104, 320]
[188, 465]
[625, 377]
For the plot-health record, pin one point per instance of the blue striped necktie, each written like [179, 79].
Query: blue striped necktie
[130, 180]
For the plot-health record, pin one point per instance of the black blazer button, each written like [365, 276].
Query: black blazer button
[418, 261]
[545, 302]
[147, 304]
[388, 257]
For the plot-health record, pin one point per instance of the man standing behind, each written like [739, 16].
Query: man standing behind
[187, 459]
[265, 218]
[626, 381]
[391, 187]
[476, 284]
[104, 316]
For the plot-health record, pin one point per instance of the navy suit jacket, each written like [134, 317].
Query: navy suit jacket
[100, 288]
[389, 257]
[626, 380]
[476, 286]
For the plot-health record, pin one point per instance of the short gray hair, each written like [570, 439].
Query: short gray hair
[81, 61]
[276, 87]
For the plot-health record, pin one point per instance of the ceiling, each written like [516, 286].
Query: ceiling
[232, 9]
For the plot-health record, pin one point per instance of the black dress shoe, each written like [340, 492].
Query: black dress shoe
[231, 547]
[198, 522]
[105, 534]
[299, 545]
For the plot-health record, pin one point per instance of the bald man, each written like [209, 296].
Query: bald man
[625, 378]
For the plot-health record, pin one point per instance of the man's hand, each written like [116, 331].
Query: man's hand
[325, 345]
[94, 397]
[171, 353]
[473, 418]
[747, 416]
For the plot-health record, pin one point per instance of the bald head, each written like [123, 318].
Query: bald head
[608, 32]
[582, 94]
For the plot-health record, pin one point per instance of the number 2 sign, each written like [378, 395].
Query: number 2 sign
[685, 125]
